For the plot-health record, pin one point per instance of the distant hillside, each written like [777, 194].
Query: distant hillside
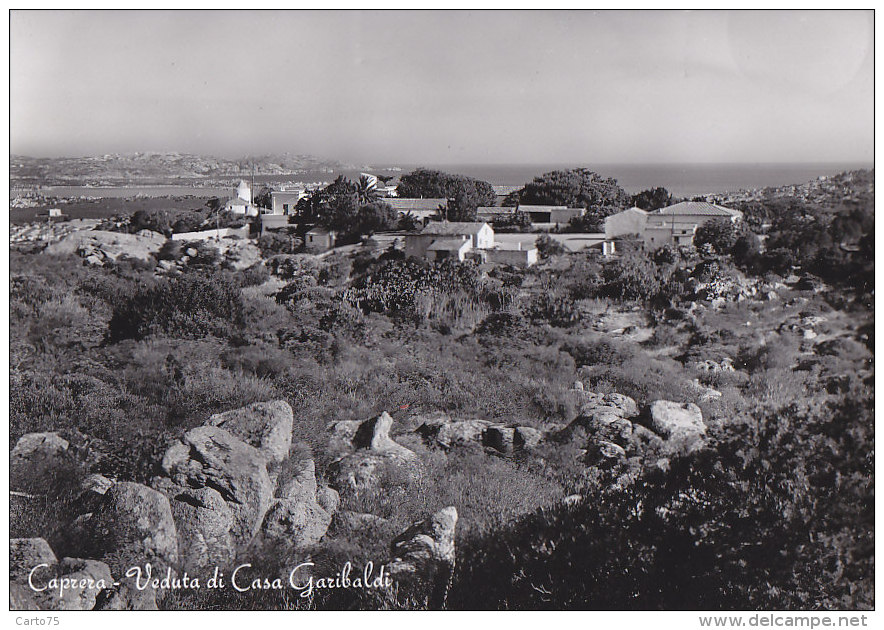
[833, 191]
[157, 168]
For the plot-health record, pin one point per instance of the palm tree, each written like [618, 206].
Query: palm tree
[365, 191]
[408, 221]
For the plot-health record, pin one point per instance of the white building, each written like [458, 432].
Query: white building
[630, 221]
[675, 225]
[479, 235]
[286, 201]
[241, 202]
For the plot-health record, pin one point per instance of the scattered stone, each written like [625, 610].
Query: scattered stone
[38, 447]
[97, 484]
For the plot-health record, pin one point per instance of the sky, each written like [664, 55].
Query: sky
[503, 87]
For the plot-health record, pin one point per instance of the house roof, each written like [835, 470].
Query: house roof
[701, 208]
[320, 230]
[406, 203]
[453, 228]
[447, 245]
[237, 201]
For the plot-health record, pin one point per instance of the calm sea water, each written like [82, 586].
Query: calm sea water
[682, 180]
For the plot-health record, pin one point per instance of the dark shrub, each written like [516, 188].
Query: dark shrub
[191, 306]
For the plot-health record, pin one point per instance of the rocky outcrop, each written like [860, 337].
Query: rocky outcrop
[126, 596]
[108, 245]
[265, 425]
[131, 526]
[211, 457]
[447, 433]
[374, 435]
[501, 439]
[678, 423]
[424, 555]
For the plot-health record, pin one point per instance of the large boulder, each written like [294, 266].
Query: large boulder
[424, 554]
[526, 438]
[459, 433]
[679, 423]
[133, 525]
[328, 499]
[203, 521]
[374, 435]
[357, 471]
[39, 446]
[125, 595]
[210, 456]
[265, 425]
[35, 455]
[294, 525]
[501, 439]
[300, 484]
[84, 580]
[27, 553]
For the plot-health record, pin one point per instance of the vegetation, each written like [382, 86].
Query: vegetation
[575, 188]
[775, 512]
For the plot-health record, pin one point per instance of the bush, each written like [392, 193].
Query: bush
[548, 246]
[191, 306]
[558, 310]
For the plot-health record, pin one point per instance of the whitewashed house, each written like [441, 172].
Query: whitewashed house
[448, 233]
[675, 225]
[629, 221]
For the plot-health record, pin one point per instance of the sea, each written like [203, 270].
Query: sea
[682, 180]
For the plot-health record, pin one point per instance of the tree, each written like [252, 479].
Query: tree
[548, 246]
[652, 199]
[462, 205]
[365, 192]
[575, 188]
[721, 234]
[436, 184]
[375, 217]
[264, 199]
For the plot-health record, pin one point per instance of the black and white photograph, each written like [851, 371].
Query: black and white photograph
[442, 310]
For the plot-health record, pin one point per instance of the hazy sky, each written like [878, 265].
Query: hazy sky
[447, 87]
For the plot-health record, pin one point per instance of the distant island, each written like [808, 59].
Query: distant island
[170, 168]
